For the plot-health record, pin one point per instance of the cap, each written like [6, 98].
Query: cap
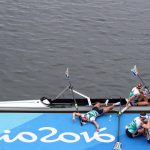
[143, 114]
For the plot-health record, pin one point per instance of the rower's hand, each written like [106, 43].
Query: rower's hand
[97, 130]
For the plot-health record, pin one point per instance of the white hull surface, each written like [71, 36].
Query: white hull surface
[24, 104]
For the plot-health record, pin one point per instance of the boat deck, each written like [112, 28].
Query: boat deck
[133, 109]
[67, 106]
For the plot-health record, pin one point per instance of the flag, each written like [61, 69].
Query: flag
[67, 72]
[134, 70]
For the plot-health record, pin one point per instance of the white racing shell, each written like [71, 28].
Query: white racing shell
[24, 103]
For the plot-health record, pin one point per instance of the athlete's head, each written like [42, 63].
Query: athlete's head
[84, 118]
[139, 86]
[143, 116]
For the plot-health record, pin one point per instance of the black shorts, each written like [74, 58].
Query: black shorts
[130, 135]
[99, 110]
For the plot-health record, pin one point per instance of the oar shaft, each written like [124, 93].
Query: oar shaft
[118, 138]
[119, 121]
[71, 88]
[141, 79]
[60, 93]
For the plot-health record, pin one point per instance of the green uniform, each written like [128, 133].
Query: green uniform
[134, 125]
[91, 115]
[134, 92]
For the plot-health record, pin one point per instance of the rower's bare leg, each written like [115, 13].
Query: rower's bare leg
[109, 108]
[143, 103]
[140, 132]
[145, 99]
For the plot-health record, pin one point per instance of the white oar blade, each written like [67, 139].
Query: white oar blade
[134, 71]
[67, 72]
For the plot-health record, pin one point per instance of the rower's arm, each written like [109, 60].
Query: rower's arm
[147, 125]
[74, 115]
[130, 99]
[96, 125]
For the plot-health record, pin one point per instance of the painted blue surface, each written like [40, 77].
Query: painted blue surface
[11, 120]
[57, 131]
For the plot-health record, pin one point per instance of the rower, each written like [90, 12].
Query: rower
[137, 96]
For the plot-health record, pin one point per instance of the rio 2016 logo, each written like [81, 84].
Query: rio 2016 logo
[30, 137]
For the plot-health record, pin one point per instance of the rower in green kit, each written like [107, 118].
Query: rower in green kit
[91, 115]
[135, 127]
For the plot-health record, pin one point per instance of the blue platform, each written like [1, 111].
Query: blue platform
[48, 131]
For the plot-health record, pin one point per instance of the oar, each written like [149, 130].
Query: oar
[71, 89]
[118, 143]
[135, 72]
